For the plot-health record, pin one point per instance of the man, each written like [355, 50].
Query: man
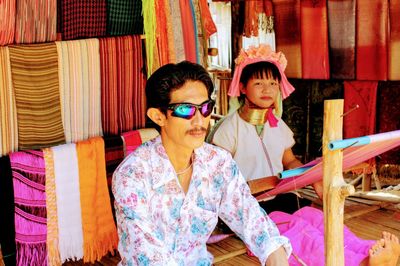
[171, 190]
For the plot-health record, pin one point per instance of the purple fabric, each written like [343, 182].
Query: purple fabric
[305, 229]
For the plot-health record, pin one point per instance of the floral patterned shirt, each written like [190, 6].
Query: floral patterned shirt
[159, 225]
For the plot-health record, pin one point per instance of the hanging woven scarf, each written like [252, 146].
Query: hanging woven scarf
[7, 29]
[394, 40]
[34, 71]
[53, 257]
[82, 19]
[122, 83]
[314, 40]
[28, 172]
[35, 21]
[342, 35]
[99, 231]
[361, 121]
[70, 235]
[8, 114]
[372, 28]
[79, 78]
[7, 225]
[288, 37]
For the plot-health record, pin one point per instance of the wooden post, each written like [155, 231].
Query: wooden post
[335, 188]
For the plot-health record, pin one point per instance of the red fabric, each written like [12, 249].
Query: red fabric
[288, 36]
[342, 35]
[361, 121]
[372, 27]
[132, 140]
[122, 85]
[394, 40]
[188, 31]
[314, 40]
[83, 19]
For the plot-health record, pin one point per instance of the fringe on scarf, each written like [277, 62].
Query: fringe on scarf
[31, 254]
[104, 244]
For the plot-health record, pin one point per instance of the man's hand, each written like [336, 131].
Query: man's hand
[277, 258]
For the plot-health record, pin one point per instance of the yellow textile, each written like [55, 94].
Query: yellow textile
[34, 71]
[53, 256]
[99, 230]
[8, 114]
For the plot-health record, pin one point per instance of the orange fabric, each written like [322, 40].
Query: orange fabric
[99, 231]
[250, 19]
[372, 27]
[162, 39]
[53, 256]
[188, 31]
[314, 40]
[394, 40]
[287, 32]
[208, 23]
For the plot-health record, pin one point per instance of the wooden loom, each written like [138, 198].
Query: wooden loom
[335, 188]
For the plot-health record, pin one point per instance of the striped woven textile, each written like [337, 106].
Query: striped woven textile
[34, 71]
[8, 113]
[120, 20]
[7, 225]
[83, 19]
[36, 21]
[99, 230]
[122, 84]
[53, 257]
[7, 21]
[342, 38]
[177, 30]
[79, 78]
[288, 34]
[314, 40]
[29, 177]
[69, 215]
[150, 29]
[394, 40]
[170, 32]
[371, 40]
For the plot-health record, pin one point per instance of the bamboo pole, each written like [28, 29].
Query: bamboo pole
[335, 188]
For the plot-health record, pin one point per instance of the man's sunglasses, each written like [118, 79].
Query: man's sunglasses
[188, 110]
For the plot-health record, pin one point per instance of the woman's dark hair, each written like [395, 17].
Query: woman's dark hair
[259, 70]
[171, 77]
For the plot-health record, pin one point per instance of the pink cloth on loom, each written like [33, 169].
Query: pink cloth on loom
[132, 140]
[305, 229]
[351, 157]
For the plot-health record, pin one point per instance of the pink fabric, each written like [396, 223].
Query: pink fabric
[351, 157]
[272, 120]
[132, 140]
[234, 90]
[305, 229]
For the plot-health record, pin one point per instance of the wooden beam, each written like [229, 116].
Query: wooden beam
[335, 188]
[230, 255]
[262, 184]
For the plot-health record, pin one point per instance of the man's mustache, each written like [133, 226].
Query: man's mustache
[197, 130]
